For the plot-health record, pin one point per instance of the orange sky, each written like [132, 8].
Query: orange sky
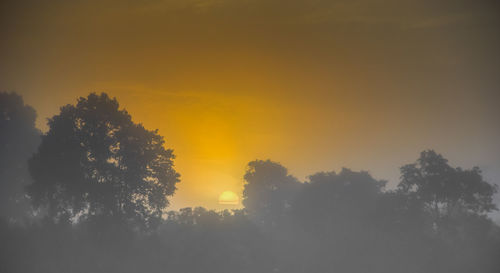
[315, 85]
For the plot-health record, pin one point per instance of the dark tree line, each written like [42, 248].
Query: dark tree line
[91, 195]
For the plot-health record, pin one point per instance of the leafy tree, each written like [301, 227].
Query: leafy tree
[339, 213]
[95, 162]
[268, 191]
[446, 191]
[18, 140]
[337, 199]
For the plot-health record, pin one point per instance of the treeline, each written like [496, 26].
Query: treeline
[91, 195]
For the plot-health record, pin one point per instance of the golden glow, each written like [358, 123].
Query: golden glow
[228, 198]
[313, 87]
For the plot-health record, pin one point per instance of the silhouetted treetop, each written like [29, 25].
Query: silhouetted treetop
[94, 162]
[268, 190]
[18, 140]
[331, 199]
[446, 190]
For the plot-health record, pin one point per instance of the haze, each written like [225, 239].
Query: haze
[314, 85]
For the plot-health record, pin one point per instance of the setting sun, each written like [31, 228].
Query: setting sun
[198, 136]
[228, 198]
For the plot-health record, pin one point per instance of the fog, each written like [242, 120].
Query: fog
[92, 194]
[212, 136]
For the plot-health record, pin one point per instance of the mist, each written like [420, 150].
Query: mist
[92, 195]
[249, 136]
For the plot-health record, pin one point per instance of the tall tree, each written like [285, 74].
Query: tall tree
[18, 141]
[268, 191]
[446, 191]
[95, 162]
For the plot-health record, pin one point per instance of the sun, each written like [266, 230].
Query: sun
[228, 198]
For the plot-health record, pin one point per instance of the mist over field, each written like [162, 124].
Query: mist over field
[92, 195]
[249, 136]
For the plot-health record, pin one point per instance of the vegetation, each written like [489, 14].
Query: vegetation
[99, 196]
[94, 162]
[18, 140]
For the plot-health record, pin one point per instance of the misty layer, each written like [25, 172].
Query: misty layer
[92, 195]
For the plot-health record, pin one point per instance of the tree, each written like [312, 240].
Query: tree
[338, 212]
[19, 139]
[95, 162]
[454, 203]
[268, 191]
[337, 198]
[446, 191]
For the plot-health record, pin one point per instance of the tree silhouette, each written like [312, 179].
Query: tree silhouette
[336, 221]
[95, 163]
[348, 198]
[268, 191]
[446, 191]
[18, 140]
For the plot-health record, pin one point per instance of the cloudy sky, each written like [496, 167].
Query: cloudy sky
[316, 85]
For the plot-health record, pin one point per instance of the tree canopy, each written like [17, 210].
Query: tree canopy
[268, 190]
[347, 195]
[19, 138]
[95, 162]
[446, 191]
[102, 183]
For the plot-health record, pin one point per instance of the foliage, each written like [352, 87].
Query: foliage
[268, 190]
[348, 195]
[18, 140]
[96, 163]
[100, 178]
[446, 191]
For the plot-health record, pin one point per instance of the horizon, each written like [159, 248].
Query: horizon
[315, 86]
[391, 175]
[243, 136]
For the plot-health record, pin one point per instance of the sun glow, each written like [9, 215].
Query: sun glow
[228, 198]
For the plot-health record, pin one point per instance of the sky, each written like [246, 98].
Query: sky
[315, 85]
